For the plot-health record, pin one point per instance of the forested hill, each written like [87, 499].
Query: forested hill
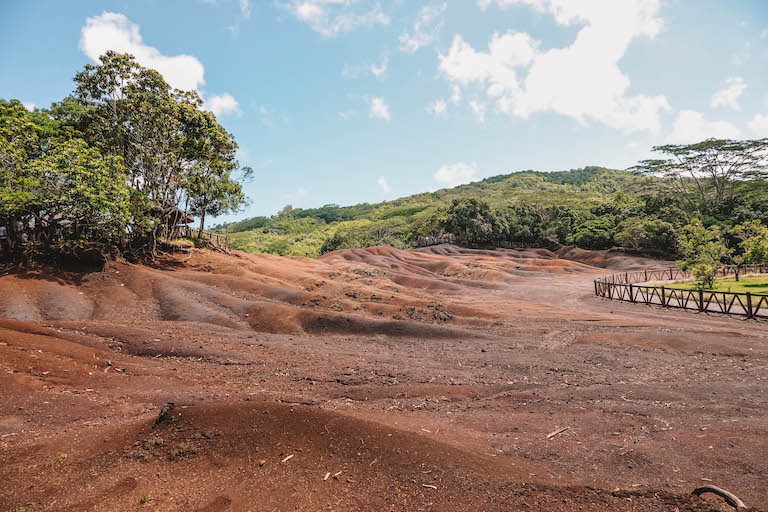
[592, 208]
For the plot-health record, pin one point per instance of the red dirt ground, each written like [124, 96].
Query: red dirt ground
[413, 380]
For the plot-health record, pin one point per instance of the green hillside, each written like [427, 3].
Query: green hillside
[594, 208]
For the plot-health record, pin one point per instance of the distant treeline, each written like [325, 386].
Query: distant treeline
[591, 208]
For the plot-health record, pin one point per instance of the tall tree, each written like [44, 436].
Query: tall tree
[711, 167]
[56, 176]
[173, 151]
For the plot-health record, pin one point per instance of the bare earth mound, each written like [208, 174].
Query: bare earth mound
[372, 379]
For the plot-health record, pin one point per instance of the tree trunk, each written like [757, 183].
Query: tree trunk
[202, 225]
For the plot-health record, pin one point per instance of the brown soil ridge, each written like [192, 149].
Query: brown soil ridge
[432, 379]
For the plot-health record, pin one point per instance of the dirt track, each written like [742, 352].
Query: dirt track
[416, 380]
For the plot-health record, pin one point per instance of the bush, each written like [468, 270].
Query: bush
[593, 234]
[647, 236]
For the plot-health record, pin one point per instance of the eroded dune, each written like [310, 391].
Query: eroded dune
[415, 380]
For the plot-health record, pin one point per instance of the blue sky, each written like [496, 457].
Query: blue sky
[348, 101]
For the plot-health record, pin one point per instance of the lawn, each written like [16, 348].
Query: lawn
[752, 284]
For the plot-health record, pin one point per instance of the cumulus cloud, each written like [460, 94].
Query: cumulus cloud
[379, 109]
[429, 23]
[690, 126]
[114, 31]
[759, 125]
[29, 105]
[383, 184]
[222, 105]
[582, 81]
[438, 109]
[728, 97]
[456, 174]
[333, 17]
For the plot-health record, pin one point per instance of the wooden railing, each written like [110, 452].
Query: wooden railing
[183, 231]
[426, 241]
[625, 287]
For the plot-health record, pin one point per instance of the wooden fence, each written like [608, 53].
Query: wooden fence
[449, 238]
[625, 287]
[183, 231]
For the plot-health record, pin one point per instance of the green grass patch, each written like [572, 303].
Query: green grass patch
[751, 284]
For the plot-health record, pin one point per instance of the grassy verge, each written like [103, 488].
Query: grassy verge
[752, 284]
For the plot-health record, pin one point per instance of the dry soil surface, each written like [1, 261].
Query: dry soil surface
[372, 379]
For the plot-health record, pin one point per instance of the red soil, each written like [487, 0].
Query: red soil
[420, 380]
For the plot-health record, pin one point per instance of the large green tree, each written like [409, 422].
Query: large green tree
[702, 250]
[121, 153]
[175, 153]
[709, 169]
[54, 177]
[474, 220]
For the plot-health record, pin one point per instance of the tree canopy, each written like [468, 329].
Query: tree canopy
[119, 155]
[713, 166]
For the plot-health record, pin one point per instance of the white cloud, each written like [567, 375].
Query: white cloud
[333, 17]
[456, 174]
[478, 109]
[582, 80]
[383, 185]
[245, 8]
[223, 105]
[377, 70]
[759, 125]
[379, 109]
[429, 23]
[728, 97]
[29, 105]
[690, 126]
[438, 108]
[455, 94]
[113, 31]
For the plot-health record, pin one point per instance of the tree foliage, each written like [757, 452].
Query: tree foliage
[710, 169]
[120, 154]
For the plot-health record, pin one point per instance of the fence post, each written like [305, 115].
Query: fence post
[749, 305]
[596, 288]
[701, 301]
[631, 295]
[663, 297]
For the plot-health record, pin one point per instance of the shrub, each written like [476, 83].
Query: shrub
[648, 236]
[593, 234]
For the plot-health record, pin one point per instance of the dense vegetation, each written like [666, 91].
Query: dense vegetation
[109, 166]
[592, 208]
[113, 165]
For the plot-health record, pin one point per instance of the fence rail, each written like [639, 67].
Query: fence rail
[183, 231]
[625, 287]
